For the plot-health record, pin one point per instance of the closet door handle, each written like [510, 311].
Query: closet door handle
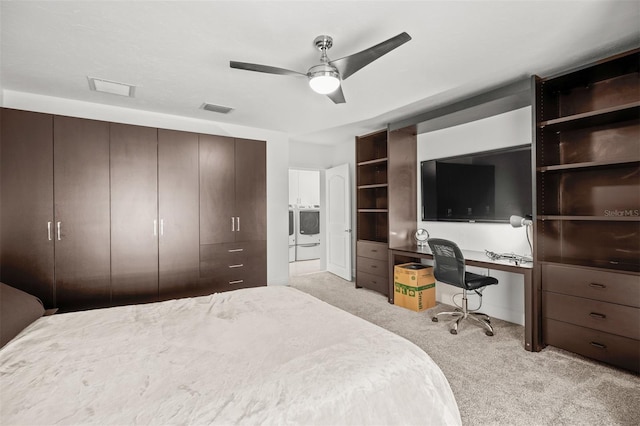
[59, 224]
[161, 227]
[233, 224]
[155, 228]
[238, 217]
[49, 230]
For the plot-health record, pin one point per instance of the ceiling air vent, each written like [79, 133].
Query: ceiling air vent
[113, 87]
[216, 108]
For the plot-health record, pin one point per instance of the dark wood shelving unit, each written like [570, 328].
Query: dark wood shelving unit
[587, 222]
[386, 201]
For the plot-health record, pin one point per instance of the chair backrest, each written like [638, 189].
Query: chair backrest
[448, 262]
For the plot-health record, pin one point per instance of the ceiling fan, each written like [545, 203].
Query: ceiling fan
[325, 77]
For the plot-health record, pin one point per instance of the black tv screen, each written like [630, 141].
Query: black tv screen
[486, 186]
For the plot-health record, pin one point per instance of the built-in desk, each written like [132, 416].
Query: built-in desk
[532, 340]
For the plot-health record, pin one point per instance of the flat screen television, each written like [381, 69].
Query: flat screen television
[486, 186]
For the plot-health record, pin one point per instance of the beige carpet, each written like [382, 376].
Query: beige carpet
[495, 381]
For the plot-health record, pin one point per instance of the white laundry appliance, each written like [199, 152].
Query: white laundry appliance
[308, 232]
[292, 234]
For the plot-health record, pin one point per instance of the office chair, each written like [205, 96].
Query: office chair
[449, 268]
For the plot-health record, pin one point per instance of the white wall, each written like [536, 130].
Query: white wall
[506, 300]
[277, 157]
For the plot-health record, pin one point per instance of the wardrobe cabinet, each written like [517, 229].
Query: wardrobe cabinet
[96, 214]
[232, 211]
[82, 212]
[134, 213]
[178, 203]
[26, 204]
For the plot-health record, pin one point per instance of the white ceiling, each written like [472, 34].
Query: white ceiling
[177, 53]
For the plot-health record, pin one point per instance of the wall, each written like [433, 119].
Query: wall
[277, 157]
[506, 300]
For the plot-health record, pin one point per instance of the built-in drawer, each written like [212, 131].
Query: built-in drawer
[592, 283]
[373, 266]
[603, 316]
[373, 282]
[373, 250]
[620, 351]
[236, 264]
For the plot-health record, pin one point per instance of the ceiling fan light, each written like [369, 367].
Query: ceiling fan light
[324, 81]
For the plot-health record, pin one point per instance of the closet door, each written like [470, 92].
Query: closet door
[178, 201]
[81, 188]
[251, 189]
[134, 214]
[217, 190]
[26, 203]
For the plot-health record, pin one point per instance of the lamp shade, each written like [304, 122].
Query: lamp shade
[518, 221]
[324, 79]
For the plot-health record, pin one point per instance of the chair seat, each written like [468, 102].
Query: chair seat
[475, 281]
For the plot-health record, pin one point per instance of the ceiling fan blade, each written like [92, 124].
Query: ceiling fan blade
[337, 96]
[352, 63]
[263, 68]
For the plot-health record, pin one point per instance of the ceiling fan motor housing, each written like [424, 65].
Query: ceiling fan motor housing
[323, 42]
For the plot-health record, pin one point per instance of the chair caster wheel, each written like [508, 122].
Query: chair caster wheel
[488, 333]
[452, 331]
[434, 319]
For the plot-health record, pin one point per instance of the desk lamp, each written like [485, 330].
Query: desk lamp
[518, 222]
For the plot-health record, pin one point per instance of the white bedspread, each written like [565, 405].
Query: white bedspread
[268, 355]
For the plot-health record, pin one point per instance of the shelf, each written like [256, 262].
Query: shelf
[590, 218]
[373, 210]
[594, 118]
[373, 162]
[586, 165]
[376, 185]
[599, 265]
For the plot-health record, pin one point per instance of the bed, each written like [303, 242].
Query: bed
[266, 355]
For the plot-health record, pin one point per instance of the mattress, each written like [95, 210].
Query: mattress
[267, 355]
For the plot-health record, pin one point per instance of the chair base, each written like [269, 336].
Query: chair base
[479, 317]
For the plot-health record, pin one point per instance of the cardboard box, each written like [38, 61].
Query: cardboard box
[414, 286]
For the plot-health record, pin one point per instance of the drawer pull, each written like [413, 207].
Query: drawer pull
[596, 285]
[236, 282]
[374, 266]
[598, 345]
[597, 315]
[235, 250]
[374, 251]
[239, 265]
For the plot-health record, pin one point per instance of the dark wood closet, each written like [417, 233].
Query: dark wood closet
[82, 213]
[178, 212]
[232, 211]
[131, 207]
[26, 226]
[134, 213]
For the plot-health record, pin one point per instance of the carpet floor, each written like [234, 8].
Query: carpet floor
[495, 381]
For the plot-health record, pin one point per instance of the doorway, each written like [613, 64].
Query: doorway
[306, 231]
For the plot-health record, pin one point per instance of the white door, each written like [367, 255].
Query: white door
[338, 209]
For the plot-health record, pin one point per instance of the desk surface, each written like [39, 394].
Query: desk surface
[532, 314]
[471, 257]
